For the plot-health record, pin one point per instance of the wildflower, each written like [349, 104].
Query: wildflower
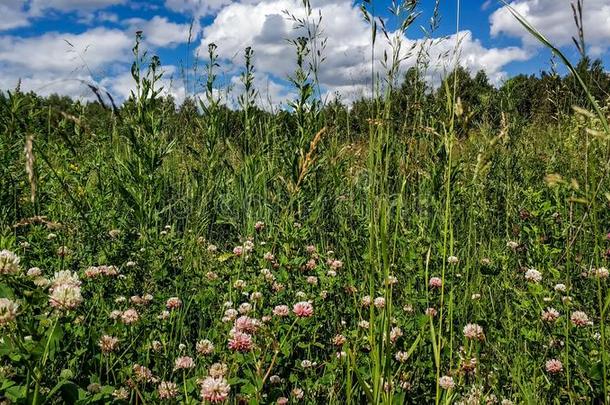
[408, 308]
[248, 246]
[391, 280]
[246, 324]
[281, 310]
[431, 312]
[204, 347]
[275, 379]
[119, 299]
[34, 272]
[306, 363]
[512, 244]
[156, 346]
[313, 280]
[215, 390]
[239, 284]
[579, 318]
[63, 251]
[218, 370]
[364, 324]
[130, 316]
[244, 308]
[238, 250]
[300, 294]
[256, 296]
[339, 340]
[435, 282]
[475, 296]
[116, 314]
[560, 287]
[379, 302]
[268, 256]
[550, 315]
[65, 277]
[109, 271]
[600, 272]
[65, 296]
[297, 393]
[336, 264]
[121, 393]
[42, 282]
[533, 276]
[366, 301]
[8, 311]
[401, 357]
[303, 309]
[446, 382]
[452, 260]
[554, 366]
[473, 331]
[173, 303]
[142, 374]
[241, 342]
[469, 365]
[164, 315]
[51, 236]
[259, 226]
[230, 314]
[108, 343]
[282, 401]
[167, 390]
[136, 299]
[94, 388]
[183, 363]
[9, 262]
[395, 333]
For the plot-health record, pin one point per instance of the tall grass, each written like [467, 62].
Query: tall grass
[398, 202]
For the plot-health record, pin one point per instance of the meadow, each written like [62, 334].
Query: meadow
[442, 244]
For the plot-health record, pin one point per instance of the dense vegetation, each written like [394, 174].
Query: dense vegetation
[451, 243]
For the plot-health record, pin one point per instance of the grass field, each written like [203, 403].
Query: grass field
[422, 246]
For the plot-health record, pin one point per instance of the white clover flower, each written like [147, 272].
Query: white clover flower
[9, 262]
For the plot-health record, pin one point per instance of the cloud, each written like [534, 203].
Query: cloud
[59, 62]
[160, 32]
[347, 68]
[121, 85]
[12, 15]
[19, 13]
[62, 53]
[196, 8]
[554, 19]
[37, 7]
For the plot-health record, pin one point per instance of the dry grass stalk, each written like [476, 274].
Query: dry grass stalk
[307, 162]
[29, 165]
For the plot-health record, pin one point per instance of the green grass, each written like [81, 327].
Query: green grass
[388, 192]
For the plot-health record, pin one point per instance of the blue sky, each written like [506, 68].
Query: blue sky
[53, 44]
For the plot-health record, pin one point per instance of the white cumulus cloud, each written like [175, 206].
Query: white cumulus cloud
[554, 19]
[346, 69]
